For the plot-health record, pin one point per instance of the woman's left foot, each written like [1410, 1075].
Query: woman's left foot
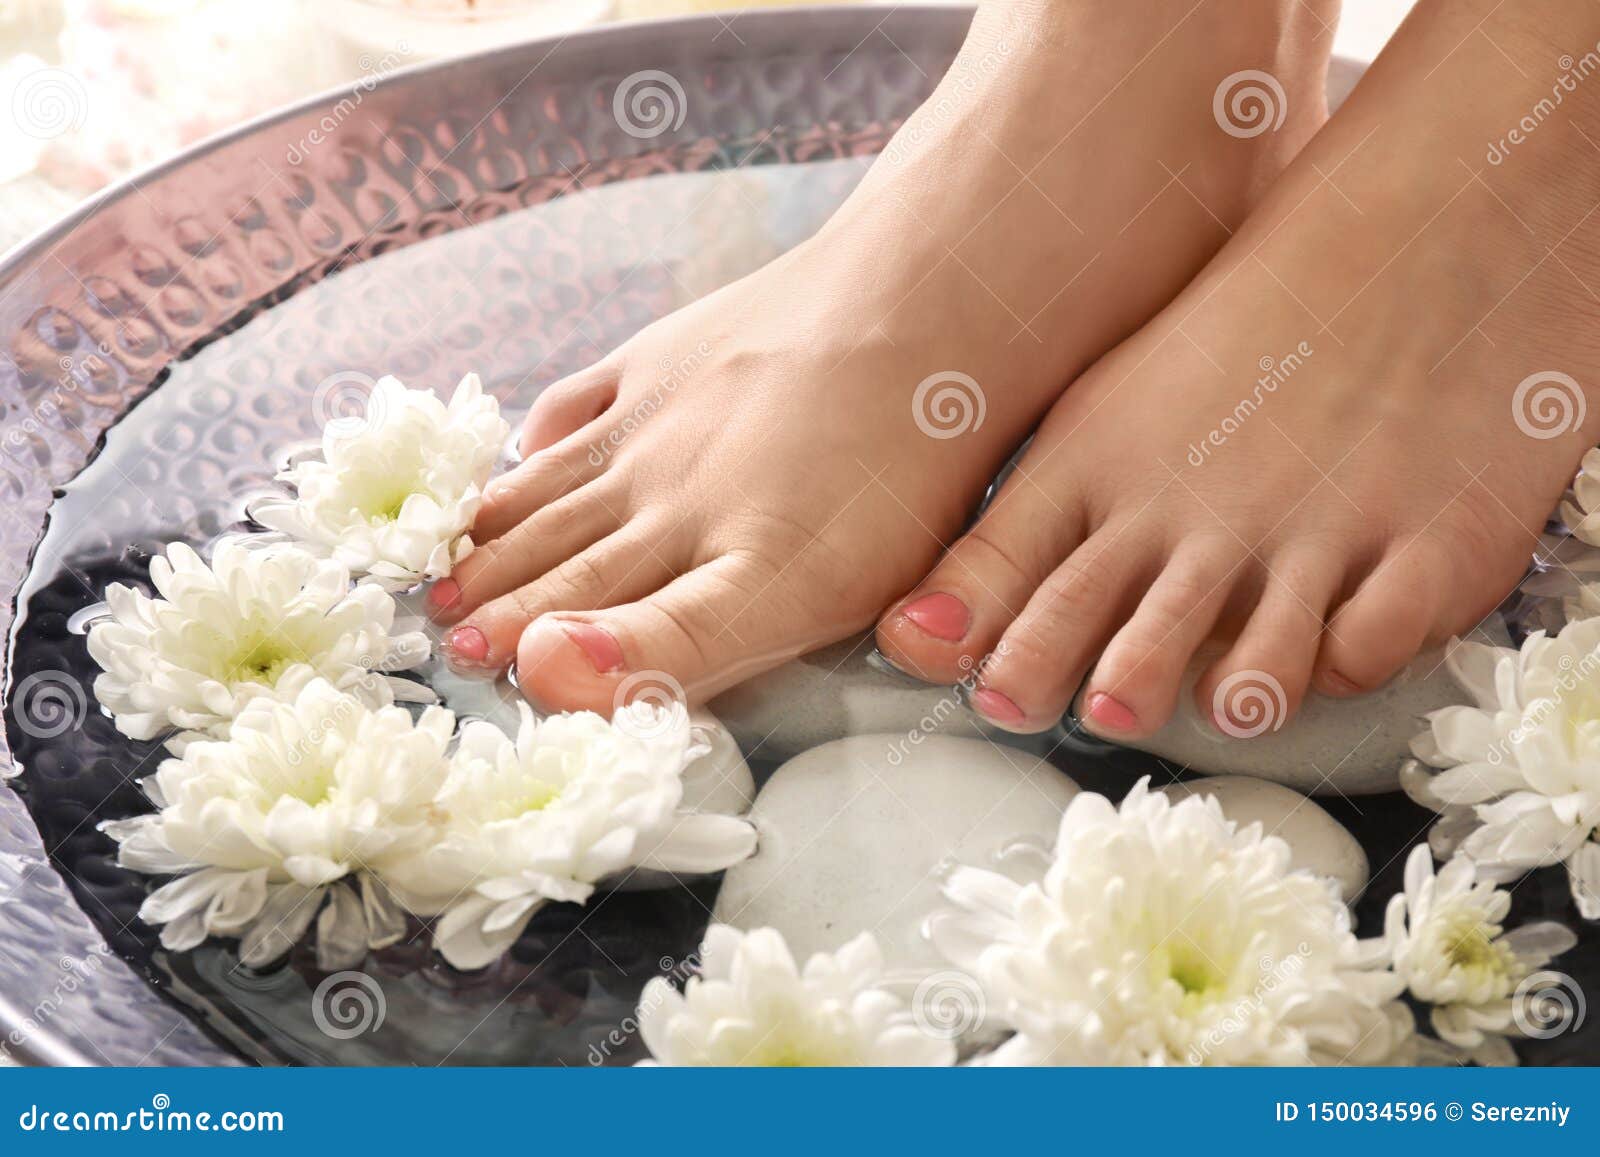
[1340, 442]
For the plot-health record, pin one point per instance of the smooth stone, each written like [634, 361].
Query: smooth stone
[1332, 746]
[835, 692]
[857, 834]
[1317, 841]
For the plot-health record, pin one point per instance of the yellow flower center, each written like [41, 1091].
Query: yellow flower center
[259, 658]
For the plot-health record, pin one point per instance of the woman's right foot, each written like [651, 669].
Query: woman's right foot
[762, 472]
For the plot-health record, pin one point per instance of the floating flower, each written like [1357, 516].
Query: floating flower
[1581, 512]
[1163, 934]
[572, 800]
[260, 828]
[396, 490]
[1520, 787]
[751, 1006]
[1445, 933]
[257, 621]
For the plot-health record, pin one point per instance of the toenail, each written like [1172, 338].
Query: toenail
[443, 594]
[1340, 685]
[995, 706]
[940, 615]
[467, 644]
[1111, 713]
[598, 644]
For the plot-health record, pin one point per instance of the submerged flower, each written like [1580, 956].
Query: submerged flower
[1520, 787]
[257, 621]
[303, 794]
[396, 490]
[1445, 932]
[1163, 934]
[751, 1006]
[572, 800]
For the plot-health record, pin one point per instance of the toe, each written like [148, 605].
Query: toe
[618, 568]
[568, 406]
[1035, 669]
[533, 484]
[1382, 626]
[1136, 682]
[1258, 685]
[690, 639]
[943, 630]
[538, 543]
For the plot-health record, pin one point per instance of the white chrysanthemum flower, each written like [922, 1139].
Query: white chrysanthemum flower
[1162, 934]
[750, 1006]
[1445, 933]
[257, 621]
[570, 802]
[1582, 512]
[260, 827]
[395, 492]
[1566, 579]
[1520, 787]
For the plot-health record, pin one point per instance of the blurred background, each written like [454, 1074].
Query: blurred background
[98, 89]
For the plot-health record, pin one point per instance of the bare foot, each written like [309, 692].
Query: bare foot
[1339, 443]
[764, 471]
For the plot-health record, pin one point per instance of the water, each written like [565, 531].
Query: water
[522, 299]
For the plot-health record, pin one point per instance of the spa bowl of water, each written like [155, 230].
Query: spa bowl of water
[505, 214]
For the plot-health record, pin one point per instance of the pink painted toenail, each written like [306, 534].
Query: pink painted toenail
[940, 615]
[467, 644]
[443, 594]
[996, 706]
[601, 647]
[1109, 712]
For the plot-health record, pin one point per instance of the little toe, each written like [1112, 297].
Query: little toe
[944, 629]
[1137, 680]
[686, 641]
[1381, 628]
[1035, 670]
[1259, 683]
[617, 569]
[538, 543]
